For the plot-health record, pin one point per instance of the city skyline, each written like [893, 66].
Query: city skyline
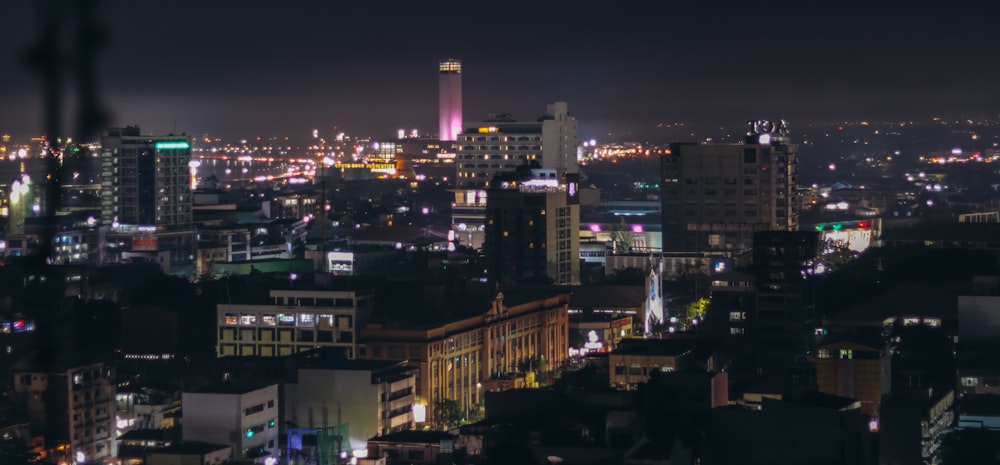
[370, 68]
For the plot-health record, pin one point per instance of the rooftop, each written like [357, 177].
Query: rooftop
[190, 448]
[418, 437]
[232, 388]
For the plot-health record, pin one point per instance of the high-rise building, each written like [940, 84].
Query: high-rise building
[146, 197]
[146, 179]
[532, 224]
[500, 145]
[716, 196]
[450, 99]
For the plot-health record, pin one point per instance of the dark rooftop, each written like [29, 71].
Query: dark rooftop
[190, 448]
[232, 388]
[419, 437]
[910, 299]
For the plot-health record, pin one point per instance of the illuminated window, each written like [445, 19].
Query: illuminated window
[307, 319]
[248, 319]
[823, 353]
[286, 319]
[269, 320]
[232, 319]
[846, 354]
[969, 381]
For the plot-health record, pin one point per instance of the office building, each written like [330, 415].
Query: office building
[146, 198]
[531, 228]
[716, 196]
[499, 145]
[450, 99]
[296, 321]
[71, 402]
[518, 341]
[242, 416]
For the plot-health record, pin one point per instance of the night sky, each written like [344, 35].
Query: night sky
[255, 68]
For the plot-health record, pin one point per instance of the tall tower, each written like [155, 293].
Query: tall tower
[450, 99]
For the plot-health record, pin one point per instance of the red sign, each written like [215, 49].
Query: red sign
[145, 244]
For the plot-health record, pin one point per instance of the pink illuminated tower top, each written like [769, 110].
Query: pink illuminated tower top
[450, 99]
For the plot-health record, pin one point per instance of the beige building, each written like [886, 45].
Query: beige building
[499, 145]
[518, 341]
[296, 321]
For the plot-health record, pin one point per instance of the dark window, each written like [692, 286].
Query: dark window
[749, 155]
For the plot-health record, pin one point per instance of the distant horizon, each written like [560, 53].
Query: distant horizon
[371, 67]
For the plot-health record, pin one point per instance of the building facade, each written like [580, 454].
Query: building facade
[373, 398]
[74, 405]
[504, 347]
[450, 99]
[716, 196]
[146, 200]
[295, 322]
[531, 229]
[500, 145]
[244, 417]
[854, 370]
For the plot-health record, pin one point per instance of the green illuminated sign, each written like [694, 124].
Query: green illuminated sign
[172, 145]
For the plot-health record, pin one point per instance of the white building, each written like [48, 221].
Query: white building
[500, 145]
[243, 416]
[372, 397]
[295, 322]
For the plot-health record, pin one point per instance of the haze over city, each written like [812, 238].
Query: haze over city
[244, 69]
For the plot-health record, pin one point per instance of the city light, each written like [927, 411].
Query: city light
[172, 145]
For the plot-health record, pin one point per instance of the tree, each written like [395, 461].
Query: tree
[696, 309]
[836, 254]
[447, 413]
[622, 237]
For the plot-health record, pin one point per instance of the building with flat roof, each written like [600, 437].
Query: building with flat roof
[295, 321]
[244, 416]
[72, 402]
[146, 201]
[372, 397]
[500, 145]
[518, 340]
[191, 453]
[716, 196]
[532, 221]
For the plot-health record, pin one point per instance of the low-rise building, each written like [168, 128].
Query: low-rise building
[244, 416]
[296, 321]
[519, 340]
[191, 453]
